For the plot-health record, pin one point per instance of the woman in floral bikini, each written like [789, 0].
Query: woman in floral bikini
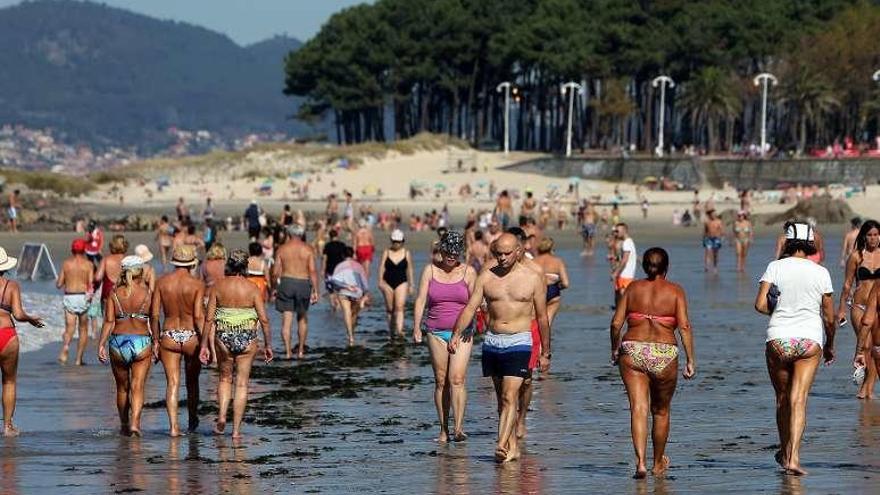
[800, 334]
[648, 353]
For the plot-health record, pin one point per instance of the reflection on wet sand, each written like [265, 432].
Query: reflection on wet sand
[9, 467]
[129, 466]
[234, 472]
[790, 485]
[520, 477]
[452, 470]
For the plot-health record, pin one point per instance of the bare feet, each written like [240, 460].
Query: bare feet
[500, 455]
[124, 430]
[794, 469]
[512, 454]
[62, 356]
[10, 431]
[350, 341]
[220, 428]
[660, 469]
[136, 432]
[174, 432]
[236, 435]
[300, 355]
[780, 458]
[459, 436]
[443, 437]
[641, 473]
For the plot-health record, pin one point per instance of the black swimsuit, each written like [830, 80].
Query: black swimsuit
[395, 273]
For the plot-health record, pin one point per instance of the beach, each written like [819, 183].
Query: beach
[364, 420]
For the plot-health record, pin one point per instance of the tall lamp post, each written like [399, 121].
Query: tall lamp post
[505, 86]
[764, 79]
[662, 82]
[572, 88]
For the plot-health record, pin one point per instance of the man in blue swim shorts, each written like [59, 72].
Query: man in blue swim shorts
[515, 295]
[713, 231]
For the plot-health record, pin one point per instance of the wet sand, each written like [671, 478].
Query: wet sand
[339, 427]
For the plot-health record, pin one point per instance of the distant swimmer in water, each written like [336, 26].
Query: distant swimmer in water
[744, 234]
[515, 296]
[862, 269]
[132, 350]
[800, 335]
[235, 309]
[396, 282]
[77, 274]
[713, 231]
[10, 310]
[647, 354]
[444, 290]
[180, 295]
[555, 276]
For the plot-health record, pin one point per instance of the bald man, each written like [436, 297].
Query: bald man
[515, 295]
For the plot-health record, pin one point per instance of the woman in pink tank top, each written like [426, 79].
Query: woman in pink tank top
[444, 289]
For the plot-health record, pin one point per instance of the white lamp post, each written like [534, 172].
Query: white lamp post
[572, 88]
[505, 86]
[766, 79]
[662, 82]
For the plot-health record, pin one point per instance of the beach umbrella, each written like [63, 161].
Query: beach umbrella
[650, 178]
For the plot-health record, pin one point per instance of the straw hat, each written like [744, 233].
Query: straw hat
[143, 252]
[6, 262]
[131, 261]
[184, 255]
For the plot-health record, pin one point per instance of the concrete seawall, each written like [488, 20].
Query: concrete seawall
[697, 172]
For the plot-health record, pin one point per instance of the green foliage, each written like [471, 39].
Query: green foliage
[61, 184]
[434, 65]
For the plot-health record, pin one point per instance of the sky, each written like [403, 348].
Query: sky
[245, 21]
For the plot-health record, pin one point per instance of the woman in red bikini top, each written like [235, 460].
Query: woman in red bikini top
[647, 354]
[10, 310]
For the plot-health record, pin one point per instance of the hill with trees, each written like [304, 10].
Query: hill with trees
[104, 76]
[433, 65]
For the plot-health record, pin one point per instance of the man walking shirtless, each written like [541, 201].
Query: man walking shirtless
[515, 296]
[297, 286]
[76, 277]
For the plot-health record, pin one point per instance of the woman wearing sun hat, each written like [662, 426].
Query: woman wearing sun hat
[180, 295]
[444, 290]
[126, 329]
[10, 310]
[395, 277]
[143, 252]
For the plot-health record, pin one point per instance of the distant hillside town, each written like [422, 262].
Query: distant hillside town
[42, 149]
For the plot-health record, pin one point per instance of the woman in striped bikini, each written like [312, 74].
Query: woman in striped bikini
[647, 354]
[799, 336]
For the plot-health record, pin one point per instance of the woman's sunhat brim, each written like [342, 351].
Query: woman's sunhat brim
[9, 264]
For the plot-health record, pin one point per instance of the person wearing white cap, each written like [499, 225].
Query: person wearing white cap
[132, 349]
[10, 310]
[180, 295]
[296, 286]
[395, 282]
[797, 295]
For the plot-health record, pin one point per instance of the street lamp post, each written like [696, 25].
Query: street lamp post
[571, 87]
[662, 81]
[764, 79]
[505, 86]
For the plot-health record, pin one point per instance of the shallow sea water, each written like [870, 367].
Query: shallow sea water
[722, 438]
